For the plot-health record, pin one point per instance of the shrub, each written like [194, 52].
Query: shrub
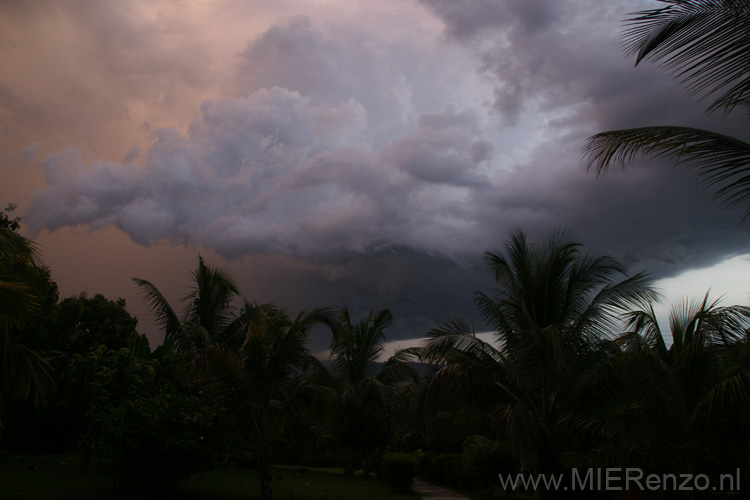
[483, 459]
[423, 462]
[447, 468]
[399, 469]
[447, 431]
[150, 433]
[153, 443]
[412, 442]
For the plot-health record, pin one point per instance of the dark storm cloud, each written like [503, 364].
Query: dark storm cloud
[652, 218]
[467, 20]
[341, 169]
[420, 290]
[561, 60]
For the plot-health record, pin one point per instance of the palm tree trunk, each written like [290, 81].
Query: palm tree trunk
[263, 460]
[366, 466]
[351, 463]
[264, 474]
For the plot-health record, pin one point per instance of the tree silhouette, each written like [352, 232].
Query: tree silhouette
[367, 393]
[692, 392]
[262, 382]
[207, 318]
[23, 374]
[551, 311]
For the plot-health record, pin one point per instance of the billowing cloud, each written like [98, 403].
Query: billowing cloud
[364, 153]
[274, 173]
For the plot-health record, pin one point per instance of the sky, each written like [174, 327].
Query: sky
[343, 152]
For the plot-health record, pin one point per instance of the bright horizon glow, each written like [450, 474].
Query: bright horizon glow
[728, 281]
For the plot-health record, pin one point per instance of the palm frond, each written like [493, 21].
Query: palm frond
[24, 373]
[289, 348]
[722, 161]
[192, 341]
[165, 315]
[455, 342]
[356, 346]
[397, 372]
[525, 429]
[410, 354]
[17, 250]
[732, 392]
[493, 313]
[316, 371]
[234, 333]
[228, 372]
[609, 437]
[19, 305]
[601, 316]
[643, 322]
[584, 276]
[17, 301]
[704, 43]
[450, 388]
[685, 317]
[210, 298]
[298, 399]
[634, 375]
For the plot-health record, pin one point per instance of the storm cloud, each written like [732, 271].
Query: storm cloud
[367, 155]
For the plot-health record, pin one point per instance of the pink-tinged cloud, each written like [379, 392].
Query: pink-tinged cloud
[274, 173]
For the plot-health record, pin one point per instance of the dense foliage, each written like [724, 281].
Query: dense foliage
[145, 421]
[399, 469]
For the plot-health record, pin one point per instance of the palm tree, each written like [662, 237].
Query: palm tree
[23, 374]
[17, 302]
[694, 391]
[705, 43]
[208, 317]
[552, 309]
[262, 381]
[367, 394]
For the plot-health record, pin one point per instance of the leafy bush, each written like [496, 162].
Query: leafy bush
[447, 468]
[148, 430]
[483, 459]
[447, 431]
[399, 469]
[423, 462]
[412, 442]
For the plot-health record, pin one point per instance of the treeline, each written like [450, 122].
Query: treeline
[578, 374]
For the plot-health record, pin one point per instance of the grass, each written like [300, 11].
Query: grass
[51, 477]
[61, 477]
[296, 483]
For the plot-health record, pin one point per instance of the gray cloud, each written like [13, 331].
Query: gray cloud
[274, 173]
[330, 67]
[561, 63]
[335, 166]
